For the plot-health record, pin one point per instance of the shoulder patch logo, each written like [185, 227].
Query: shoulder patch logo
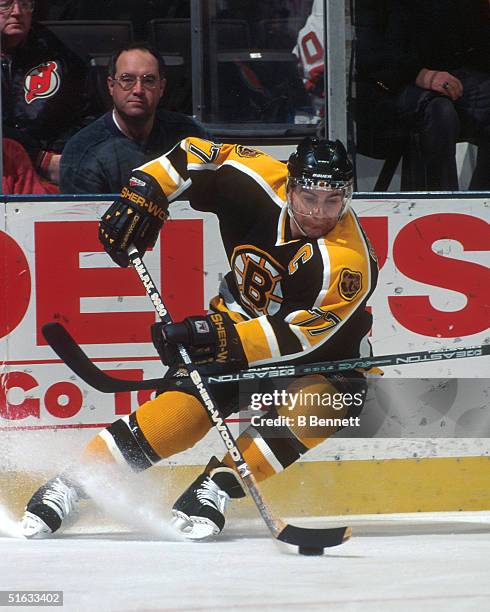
[244, 151]
[350, 284]
[43, 81]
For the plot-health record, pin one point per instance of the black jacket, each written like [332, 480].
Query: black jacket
[43, 87]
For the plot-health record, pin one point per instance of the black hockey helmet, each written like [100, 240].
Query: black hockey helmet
[320, 164]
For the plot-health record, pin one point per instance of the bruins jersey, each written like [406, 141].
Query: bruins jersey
[292, 299]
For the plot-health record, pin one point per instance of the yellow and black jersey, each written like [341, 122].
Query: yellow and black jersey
[292, 299]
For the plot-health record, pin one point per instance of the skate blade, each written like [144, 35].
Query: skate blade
[33, 527]
[201, 529]
[180, 521]
[195, 528]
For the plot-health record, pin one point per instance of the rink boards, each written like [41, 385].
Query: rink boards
[433, 292]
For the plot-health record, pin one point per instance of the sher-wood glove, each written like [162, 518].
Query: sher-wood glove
[135, 218]
[210, 339]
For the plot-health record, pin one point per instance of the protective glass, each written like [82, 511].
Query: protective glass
[320, 199]
[128, 81]
[6, 5]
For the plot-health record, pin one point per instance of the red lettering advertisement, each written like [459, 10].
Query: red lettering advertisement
[433, 292]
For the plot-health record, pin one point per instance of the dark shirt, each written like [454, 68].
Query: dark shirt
[100, 158]
[43, 91]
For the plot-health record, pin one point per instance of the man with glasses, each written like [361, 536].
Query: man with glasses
[100, 158]
[42, 84]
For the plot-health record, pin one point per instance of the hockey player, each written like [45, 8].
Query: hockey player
[301, 272]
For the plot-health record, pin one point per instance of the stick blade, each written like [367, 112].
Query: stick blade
[68, 351]
[314, 538]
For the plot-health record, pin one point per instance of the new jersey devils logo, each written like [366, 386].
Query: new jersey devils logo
[42, 81]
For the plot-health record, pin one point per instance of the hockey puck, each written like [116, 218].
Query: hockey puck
[311, 551]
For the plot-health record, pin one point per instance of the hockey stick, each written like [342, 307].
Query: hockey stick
[309, 541]
[70, 352]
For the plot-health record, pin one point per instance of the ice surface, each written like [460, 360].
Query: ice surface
[393, 563]
[8, 525]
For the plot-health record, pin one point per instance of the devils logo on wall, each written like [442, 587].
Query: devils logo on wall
[43, 81]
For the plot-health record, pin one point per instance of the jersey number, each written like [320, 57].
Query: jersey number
[207, 158]
[331, 320]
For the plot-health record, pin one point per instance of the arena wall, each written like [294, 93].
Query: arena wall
[424, 441]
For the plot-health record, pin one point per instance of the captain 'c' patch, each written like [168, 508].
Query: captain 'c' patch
[350, 284]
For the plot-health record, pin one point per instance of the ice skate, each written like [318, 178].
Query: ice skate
[199, 513]
[50, 506]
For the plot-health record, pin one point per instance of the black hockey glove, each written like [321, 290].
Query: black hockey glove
[135, 218]
[211, 339]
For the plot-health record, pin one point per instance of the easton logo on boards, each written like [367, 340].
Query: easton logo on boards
[41, 82]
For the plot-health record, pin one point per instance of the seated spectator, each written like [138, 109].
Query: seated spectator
[432, 67]
[19, 175]
[43, 84]
[101, 156]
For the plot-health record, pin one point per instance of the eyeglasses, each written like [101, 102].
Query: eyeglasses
[128, 81]
[24, 5]
[6, 5]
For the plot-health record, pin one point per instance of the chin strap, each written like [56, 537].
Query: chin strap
[302, 231]
[291, 214]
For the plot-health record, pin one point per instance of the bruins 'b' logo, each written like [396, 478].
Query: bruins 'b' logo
[350, 284]
[244, 151]
[258, 277]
